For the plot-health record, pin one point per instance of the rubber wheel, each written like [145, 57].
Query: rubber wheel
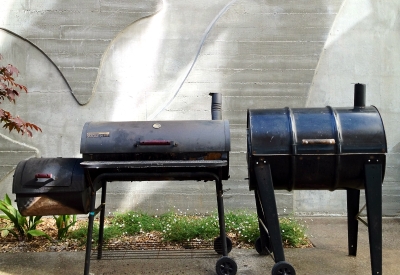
[260, 249]
[218, 245]
[283, 268]
[226, 266]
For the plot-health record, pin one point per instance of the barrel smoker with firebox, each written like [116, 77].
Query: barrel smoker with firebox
[190, 150]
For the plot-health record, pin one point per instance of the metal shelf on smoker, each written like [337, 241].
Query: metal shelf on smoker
[151, 164]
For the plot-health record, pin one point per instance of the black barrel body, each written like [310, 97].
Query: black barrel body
[315, 148]
[50, 186]
[158, 141]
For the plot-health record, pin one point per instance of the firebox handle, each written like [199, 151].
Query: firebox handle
[43, 177]
[326, 141]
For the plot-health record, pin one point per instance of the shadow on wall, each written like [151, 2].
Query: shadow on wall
[73, 34]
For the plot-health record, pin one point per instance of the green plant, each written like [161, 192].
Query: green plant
[132, 223]
[293, 233]
[80, 233]
[110, 232]
[179, 228]
[182, 228]
[129, 223]
[244, 224]
[24, 227]
[64, 223]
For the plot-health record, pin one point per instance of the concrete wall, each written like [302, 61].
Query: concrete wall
[158, 60]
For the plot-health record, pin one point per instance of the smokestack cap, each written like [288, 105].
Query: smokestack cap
[359, 95]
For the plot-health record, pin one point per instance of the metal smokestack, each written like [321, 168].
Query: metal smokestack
[359, 95]
[216, 104]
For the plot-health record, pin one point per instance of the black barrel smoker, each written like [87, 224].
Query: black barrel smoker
[193, 150]
[317, 149]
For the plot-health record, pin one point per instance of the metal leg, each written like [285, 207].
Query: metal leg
[221, 216]
[373, 194]
[268, 204]
[102, 216]
[353, 205]
[90, 232]
[264, 235]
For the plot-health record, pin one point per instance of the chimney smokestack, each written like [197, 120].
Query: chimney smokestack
[216, 104]
[359, 95]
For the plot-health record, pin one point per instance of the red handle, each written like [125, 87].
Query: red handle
[155, 142]
[43, 176]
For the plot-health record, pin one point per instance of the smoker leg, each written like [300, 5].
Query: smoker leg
[373, 193]
[224, 265]
[221, 217]
[269, 210]
[262, 244]
[353, 204]
[90, 232]
[102, 216]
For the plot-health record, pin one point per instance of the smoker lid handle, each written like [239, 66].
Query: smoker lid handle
[325, 141]
[155, 142]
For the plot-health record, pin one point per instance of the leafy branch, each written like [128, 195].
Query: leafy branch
[10, 90]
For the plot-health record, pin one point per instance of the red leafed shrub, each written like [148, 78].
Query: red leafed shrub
[9, 89]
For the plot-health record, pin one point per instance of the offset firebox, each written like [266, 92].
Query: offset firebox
[317, 149]
[51, 186]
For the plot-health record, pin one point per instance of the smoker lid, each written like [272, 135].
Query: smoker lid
[327, 130]
[155, 137]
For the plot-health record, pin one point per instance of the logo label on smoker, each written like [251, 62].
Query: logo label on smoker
[97, 134]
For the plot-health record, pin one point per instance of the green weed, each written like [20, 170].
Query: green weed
[293, 234]
[179, 228]
[64, 223]
[182, 228]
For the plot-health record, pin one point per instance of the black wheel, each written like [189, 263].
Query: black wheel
[226, 266]
[218, 245]
[260, 249]
[283, 268]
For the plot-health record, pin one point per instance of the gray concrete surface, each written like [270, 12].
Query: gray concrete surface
[329, 256]
[159, 59]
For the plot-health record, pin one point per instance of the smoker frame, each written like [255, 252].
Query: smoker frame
[150, 171]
